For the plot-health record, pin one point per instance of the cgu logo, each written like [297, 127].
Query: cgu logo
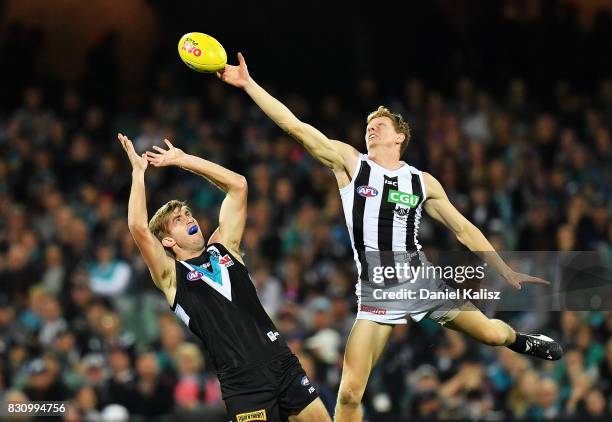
[190, 48]
[367, 191]
[403, 198]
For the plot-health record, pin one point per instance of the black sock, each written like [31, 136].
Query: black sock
[520, 344]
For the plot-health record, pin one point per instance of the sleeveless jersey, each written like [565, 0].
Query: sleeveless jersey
[382, 209]
[217, 300]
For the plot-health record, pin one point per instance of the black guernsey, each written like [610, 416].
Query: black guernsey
[217, 300]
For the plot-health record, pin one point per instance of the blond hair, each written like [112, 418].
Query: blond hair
[399, 124]
[159, 222]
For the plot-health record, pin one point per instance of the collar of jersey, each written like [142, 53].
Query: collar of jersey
[386, 170]
[215, 274]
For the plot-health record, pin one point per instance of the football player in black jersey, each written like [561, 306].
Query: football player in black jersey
[209, 288]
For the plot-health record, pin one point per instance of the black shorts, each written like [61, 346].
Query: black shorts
[269, 391]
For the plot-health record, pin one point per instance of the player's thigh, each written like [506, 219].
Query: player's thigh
[296, 392]
[473, 322]
[314, 412]
[365, 344]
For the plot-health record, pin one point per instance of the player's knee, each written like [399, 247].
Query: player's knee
[350, 394]
[493, 336]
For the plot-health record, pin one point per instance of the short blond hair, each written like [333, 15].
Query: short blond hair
[159, 222]
[399, 124]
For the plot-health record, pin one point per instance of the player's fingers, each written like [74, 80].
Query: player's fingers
[153, 155]
[241, 59]
[160, 149]
[537, 280]
[169, 143]
[120, 137]
[131, 149]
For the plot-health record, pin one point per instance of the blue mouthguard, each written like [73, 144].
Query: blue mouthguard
[193, 229]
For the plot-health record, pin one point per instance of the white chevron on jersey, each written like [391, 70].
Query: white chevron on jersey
[218, 278]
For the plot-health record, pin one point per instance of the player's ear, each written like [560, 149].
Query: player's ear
[168, 242]
[401, 138]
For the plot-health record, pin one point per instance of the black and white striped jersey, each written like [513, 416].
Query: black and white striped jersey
[383, 209]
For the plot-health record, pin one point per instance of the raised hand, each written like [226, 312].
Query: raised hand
[164, 157]
[237, 76]
[139, 162]
[516, 279]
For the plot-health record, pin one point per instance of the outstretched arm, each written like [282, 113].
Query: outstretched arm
[336, 155]
[232, 216]
[160, 265]
[439, 207]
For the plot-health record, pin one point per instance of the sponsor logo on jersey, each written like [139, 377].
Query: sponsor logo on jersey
[373, 310]
[391, 182]
[367, 191]
[273, 335]
[255, 415]
[305, 381]
[403, 198]
[194, 275]
[311, 390]
[401, 212]
[226, 261]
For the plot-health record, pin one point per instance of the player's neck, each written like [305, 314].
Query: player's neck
[384, 159]
[184, 255]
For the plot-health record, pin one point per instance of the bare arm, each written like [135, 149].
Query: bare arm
[439, 207]
[160, 265]
[232, 216]
[338, 156]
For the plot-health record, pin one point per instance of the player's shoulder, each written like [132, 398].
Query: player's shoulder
[433, 186]
[224, 254]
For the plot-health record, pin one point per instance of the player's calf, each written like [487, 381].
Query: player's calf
[494, 336]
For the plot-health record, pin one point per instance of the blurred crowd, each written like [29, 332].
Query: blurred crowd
[80, 319]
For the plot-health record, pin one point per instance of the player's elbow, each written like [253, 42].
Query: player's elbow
[295, 128]
[240, 185]
[464, 231]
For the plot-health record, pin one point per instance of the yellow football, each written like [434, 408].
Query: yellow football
[202, 52]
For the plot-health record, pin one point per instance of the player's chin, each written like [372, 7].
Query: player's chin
[200, 242]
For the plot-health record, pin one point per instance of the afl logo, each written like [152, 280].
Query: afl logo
[367, 191]
[194, 275]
